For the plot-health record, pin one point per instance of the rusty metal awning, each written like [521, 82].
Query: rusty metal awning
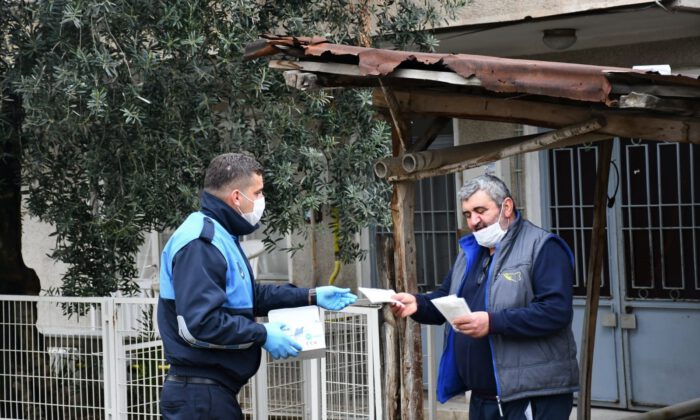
[548, 94]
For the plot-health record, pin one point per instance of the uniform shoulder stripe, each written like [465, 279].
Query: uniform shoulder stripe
[207, 230]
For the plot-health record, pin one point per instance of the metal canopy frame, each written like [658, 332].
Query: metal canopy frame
[582, 103]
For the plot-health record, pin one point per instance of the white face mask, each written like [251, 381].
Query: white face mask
[258, 209]
[491, 235]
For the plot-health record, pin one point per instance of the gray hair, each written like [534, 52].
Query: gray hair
[491, 185]
[230, 170]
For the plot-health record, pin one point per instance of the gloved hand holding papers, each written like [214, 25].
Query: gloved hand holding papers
[379, 295]
[303, 325]
[451, 307]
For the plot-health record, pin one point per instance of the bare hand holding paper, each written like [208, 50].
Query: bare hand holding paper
[451, 307]
[379, 295]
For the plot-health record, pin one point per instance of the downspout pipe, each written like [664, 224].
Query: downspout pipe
[412, 162]
[388, 167]
[336, 245]
[431, 159]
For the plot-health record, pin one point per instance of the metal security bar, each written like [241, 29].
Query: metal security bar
[571, 207]
[435, 229]
[661, 219]
[285, 389]
[102, 358]
[352, 367]
[50, 370]
[139, 363]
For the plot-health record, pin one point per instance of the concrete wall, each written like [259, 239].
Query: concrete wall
[306, 273]
[487, 11]
[682, 54]
[36, 245]
[471, 131]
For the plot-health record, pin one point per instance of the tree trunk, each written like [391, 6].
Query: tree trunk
[21, 344]
[16, 277]
[402, 212]
[402, 206]
[392, 371]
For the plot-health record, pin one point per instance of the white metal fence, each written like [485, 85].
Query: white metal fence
[102, 358]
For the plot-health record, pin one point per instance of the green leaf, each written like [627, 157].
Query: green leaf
[125, 103]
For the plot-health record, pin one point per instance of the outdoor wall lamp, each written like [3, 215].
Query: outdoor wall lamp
[559, 38]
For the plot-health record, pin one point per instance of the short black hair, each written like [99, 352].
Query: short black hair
[230, 170]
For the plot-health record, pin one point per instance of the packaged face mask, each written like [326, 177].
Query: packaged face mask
[451, 307]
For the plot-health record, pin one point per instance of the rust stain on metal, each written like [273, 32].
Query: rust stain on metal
[502, 75]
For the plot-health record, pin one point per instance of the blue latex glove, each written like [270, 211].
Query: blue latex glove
[279, 344]
[334, 298]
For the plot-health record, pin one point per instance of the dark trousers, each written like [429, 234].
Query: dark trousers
[550, 407]
[188, 401]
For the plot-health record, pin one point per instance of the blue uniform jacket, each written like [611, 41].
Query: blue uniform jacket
[209, 298]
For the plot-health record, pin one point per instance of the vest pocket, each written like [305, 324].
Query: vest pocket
[511, 287]
[514, 352]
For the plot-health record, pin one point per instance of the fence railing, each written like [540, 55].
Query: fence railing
[102, 358]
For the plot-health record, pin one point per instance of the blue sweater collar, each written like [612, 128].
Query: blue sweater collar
[225, 215]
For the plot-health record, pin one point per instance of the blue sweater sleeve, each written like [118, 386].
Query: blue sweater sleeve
[268, 297]
[427, 313]
[199, 279]
[552, 307]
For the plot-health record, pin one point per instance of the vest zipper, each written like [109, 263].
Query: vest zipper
[493, 354]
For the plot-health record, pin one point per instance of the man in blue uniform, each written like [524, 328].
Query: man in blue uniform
[515, 351]
[209, 299]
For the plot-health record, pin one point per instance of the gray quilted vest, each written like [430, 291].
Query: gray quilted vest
[524, 367]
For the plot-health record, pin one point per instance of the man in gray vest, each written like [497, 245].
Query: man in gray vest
[515, 351]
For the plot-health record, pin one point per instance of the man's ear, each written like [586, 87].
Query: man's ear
[508, 207]
[232, 198]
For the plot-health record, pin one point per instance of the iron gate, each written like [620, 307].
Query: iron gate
[649, 316]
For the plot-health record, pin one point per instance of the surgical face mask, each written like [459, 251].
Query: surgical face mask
[258, 209]
[491, 235]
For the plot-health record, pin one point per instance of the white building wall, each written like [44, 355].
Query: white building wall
[488, 11]
[36, 245]
[682, 54]
[307, 273]
[471, 131]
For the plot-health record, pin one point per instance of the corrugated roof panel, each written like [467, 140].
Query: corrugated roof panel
[502, 75]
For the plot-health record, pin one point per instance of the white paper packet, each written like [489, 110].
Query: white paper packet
[451, 307]
[379, 295]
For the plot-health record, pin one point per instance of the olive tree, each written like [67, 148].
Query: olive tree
[111, 110]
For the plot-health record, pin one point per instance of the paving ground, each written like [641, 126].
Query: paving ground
[456, 409]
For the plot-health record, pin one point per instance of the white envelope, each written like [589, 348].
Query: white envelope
[379, 295]
[451, 307]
